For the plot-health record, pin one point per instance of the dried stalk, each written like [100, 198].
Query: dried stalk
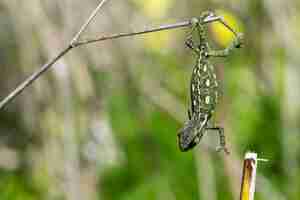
[74, 43]
[88, 21]
[249, 176]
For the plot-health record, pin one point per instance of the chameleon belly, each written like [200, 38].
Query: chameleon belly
[204, 98]
[203, 89]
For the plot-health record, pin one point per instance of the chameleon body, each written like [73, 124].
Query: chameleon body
[203, 89]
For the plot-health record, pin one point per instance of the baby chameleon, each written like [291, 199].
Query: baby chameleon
[204, 86]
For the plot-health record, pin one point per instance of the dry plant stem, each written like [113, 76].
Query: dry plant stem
[150, 30]
[89, 20]
[32, 78]
[249, 176]
[48, 65]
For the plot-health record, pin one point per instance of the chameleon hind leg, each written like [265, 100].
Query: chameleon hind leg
[236, 43]
[189, 42]
[222, 139]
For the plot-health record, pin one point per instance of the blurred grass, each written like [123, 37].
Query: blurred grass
[102, 124]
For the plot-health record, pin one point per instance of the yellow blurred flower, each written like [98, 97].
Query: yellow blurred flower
[220, 33]
[155, 8]
[158, 40]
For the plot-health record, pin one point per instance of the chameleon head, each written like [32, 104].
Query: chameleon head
[186, 137]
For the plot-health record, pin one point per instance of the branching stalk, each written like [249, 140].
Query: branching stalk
[74, 43]
[88, 21]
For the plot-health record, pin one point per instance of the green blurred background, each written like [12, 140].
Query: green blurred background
[102, 123]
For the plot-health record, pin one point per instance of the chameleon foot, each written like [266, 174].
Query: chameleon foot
[223, 148]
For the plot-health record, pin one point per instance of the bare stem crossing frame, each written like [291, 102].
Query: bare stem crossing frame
[75, 42]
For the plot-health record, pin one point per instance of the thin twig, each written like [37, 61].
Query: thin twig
[33, 77]
[222, 21]
[45, 67]
[88, 21]
[150, 30]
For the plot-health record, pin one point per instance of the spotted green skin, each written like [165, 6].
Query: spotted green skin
[203, 89]
[204, 98]
[204, 95]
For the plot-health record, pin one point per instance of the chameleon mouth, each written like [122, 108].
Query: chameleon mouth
[185, 142]
[186, 147]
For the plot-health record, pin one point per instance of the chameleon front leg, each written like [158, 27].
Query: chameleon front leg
[236, 43]
[222, 146]
[200, 129]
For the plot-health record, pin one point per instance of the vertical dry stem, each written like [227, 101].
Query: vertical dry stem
[249, 176]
